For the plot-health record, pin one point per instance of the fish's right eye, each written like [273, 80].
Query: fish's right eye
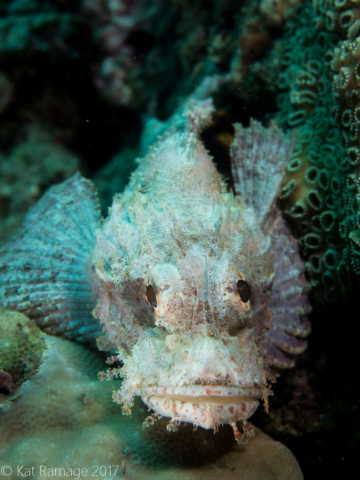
[244, 290]
[151, 296]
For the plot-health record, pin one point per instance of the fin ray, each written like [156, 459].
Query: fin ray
[259, 157]
[289, 303]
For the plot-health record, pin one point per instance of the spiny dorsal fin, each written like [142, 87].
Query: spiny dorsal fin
[259, 157]
[45, 273]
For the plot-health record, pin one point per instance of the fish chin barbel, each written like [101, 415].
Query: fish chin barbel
[199, 291]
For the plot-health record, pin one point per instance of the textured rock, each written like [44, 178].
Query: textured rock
[65, 418]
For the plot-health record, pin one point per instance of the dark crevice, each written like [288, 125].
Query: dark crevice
[218, 136]
[142, 41]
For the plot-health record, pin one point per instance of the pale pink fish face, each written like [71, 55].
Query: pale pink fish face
[189, 331]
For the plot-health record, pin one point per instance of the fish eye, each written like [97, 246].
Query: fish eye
[244, 290]
[150, 295]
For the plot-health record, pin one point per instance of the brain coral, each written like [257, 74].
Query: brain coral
[65, 418]
[21, 346]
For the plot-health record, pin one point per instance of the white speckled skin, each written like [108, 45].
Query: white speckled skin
[177, 229]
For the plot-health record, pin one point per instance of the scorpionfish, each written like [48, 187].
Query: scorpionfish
[199, 290]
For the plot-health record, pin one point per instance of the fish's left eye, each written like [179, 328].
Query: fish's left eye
[244, 290]
[151, 296]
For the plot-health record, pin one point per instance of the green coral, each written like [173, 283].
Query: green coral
[346, 65]
[319, 197]
[21, 346]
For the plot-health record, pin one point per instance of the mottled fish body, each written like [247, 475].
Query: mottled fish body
[199, 291]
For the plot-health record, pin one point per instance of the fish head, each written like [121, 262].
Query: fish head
[188, 323]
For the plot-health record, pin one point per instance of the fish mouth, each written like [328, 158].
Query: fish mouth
[205, 393]
[207, 406]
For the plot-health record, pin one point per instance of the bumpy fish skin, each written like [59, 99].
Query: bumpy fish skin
[163, 272]
[196, 356]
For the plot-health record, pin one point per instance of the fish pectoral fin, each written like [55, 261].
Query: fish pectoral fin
[45, 273]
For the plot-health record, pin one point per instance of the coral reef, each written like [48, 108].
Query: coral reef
[277, 12]
[38, 26]
[64, 418]
[154, 52]
[44, 46]
[22, 347]
[345, 63]
[124, 31]
[320, 197]
[311, 197]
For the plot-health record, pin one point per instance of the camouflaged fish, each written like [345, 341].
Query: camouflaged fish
[199, 291]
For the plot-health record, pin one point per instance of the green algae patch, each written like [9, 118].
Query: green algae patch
[21, 348]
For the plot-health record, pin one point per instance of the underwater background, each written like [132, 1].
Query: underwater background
[78, 82]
